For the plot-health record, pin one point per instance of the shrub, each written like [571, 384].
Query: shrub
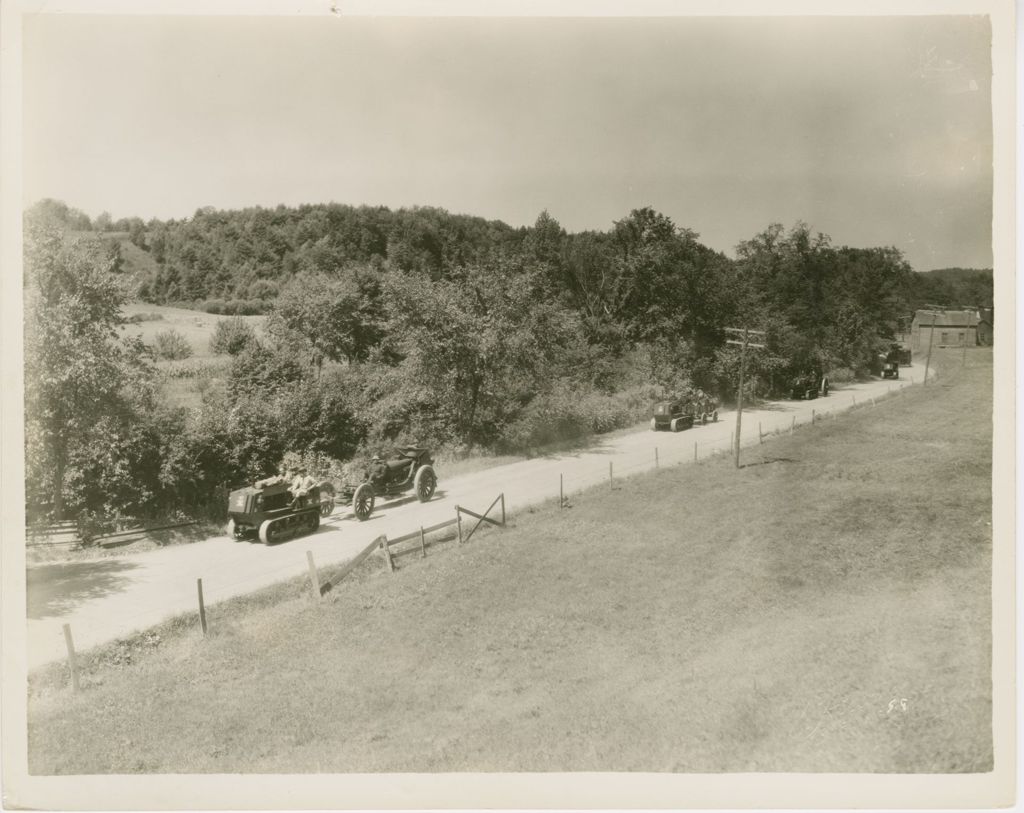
[135, 318]
[568, 414]
[841, 375]
[170, 345]
[196, 368]
[232, 336]
[244, 307]
[213, 306]
[91, 525]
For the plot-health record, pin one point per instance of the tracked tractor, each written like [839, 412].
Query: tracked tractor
[272, 513]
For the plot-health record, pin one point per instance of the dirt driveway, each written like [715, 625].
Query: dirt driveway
[105, 603]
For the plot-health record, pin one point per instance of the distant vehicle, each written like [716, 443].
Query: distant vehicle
[808, 386]
[671, 415]
[683, 412]
[273, 514]
[891, 362]
[407, 468]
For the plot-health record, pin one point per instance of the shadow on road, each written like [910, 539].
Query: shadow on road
[55, 589]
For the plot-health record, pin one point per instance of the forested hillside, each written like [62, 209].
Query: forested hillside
[952, 287]
[414, 324]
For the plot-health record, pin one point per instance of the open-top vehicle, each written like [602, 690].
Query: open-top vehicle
[408, 468]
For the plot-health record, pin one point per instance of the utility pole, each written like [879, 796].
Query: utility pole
[743, 344]
[931, 338]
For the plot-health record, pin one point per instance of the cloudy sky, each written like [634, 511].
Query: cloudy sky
[876, 131]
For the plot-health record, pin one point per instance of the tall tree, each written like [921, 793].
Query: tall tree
[337, 317]
[76, 365]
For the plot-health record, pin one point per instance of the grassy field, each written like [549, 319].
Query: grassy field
[825, 608]
[185, 379]
[196, 326]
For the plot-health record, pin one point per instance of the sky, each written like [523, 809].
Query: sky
[876, 131]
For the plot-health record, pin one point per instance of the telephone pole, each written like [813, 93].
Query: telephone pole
[743, 343]
[931, 338]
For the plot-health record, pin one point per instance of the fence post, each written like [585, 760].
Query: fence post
[458, 522]
[561, 493]
[502, 509]
[760, 434]
[695, 451]
[387, 553]
[71, 657]
[611, 478]
[423, 544]
[812, 417]
[202, 607]
[792, 425]
[314, 579]
[656, 465]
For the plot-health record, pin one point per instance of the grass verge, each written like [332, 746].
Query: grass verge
[825, 608]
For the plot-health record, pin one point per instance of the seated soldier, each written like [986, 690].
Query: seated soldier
[301, 486]
[377, 472]
[273, 480]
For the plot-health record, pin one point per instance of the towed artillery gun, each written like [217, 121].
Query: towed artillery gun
[408, 468]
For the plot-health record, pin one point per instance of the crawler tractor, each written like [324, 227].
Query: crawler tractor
[273, 514]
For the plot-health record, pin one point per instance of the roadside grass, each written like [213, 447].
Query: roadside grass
[824, 608]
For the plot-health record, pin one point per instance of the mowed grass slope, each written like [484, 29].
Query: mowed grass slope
[826, 608]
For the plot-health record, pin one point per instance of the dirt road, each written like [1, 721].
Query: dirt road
[107, 599]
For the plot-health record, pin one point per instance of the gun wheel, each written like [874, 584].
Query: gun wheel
[425, 483]
[362, 502]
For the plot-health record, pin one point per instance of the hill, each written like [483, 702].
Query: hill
[970, 287]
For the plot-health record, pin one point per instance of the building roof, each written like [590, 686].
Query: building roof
[946, 318]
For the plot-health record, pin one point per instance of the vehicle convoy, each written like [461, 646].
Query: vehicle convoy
[270, 511]
[684, 411]
[408, 468]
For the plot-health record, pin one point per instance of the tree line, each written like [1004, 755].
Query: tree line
[414, 325]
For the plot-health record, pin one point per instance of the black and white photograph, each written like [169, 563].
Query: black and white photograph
[476, 406]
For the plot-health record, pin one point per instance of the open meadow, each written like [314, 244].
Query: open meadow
[196, 326]
[184, 380]
[824, 608]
